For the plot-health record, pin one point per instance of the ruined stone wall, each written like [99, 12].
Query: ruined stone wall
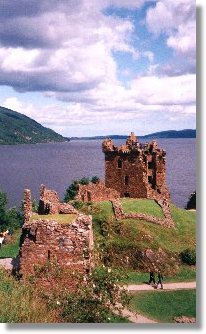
[49, 203]
[96, 192]
[132, 168]
[27, 205]
[69, 245]
[135, 170]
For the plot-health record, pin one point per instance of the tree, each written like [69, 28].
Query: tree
[9, 218]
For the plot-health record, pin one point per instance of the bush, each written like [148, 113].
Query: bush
[84, 181]
[92, 301]
[95, 179]
[188, 256]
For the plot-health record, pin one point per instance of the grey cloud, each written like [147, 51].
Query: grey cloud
[34, 82]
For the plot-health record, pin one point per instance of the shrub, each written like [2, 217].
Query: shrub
[95, 179]
[92, 301]
[84, 181]
[188, 256]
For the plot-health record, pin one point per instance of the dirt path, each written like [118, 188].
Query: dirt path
[166, 286]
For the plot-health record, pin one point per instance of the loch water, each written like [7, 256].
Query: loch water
[57, 164]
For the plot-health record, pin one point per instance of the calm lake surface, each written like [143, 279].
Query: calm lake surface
[57, 164]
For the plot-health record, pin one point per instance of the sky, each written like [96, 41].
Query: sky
[87, 68]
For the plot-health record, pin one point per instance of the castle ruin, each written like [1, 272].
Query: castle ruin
[47, 238]
[136, 170]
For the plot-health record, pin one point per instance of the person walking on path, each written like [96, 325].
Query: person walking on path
[160, 280]
[151, 277]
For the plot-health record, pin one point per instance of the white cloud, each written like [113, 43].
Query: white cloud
[177, 20]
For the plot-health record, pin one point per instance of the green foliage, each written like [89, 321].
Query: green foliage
[84, 181]
[9, 218]
[188, 256]
[71, 191]
[91, 302]
[19, 129]
[165, 305]
[95, 179]
[35, 205]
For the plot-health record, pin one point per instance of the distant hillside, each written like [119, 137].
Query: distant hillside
[16, 128]
[187, 133]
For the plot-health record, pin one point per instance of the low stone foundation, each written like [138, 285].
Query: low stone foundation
[167, 222]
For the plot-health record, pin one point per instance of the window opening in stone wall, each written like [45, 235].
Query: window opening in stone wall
[150, 165]
[150, 179]
[119, 163]
[126, 194]
[49, 255]
[126, 180]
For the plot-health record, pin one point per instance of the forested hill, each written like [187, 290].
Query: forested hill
[16, 128]
[187, 133]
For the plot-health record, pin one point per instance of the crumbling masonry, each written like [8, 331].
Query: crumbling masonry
[136, 170]
[45, 239]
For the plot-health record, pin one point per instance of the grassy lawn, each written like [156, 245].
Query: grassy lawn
[11, 249]
[185, 274]
[59, 218]
[163, 306]
[147, 206]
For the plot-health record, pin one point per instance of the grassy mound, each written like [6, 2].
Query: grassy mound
[118, 240]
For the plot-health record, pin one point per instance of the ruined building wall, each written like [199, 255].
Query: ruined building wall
[96, 192]
[69, 245]
[49, 203]
[135, 170]
[45, 241]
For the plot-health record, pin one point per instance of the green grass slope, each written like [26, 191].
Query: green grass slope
[165, 305]
[118, 240]
[16, 128]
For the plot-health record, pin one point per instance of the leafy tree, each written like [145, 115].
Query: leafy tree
[9, 218]
[71, 191]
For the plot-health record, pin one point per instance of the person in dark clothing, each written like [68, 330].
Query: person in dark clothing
[151, 277]
[160, 280]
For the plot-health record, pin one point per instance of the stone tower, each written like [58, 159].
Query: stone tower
[135, 170]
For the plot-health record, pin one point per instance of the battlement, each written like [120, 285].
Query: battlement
[132, 145]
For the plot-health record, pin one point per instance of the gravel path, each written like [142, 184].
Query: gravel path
[166, 286]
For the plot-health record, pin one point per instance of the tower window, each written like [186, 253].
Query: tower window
[49, 255]
[119, 163]
[150, 165]
[126, 180]
[150, 179]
